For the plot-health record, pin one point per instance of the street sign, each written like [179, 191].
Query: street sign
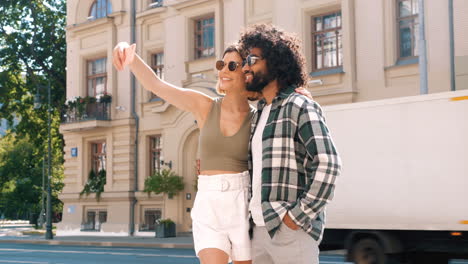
[74, 152]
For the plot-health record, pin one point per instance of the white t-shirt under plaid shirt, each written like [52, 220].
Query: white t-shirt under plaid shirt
[255, 206]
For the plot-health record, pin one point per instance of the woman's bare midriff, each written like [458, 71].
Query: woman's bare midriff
[215, 172]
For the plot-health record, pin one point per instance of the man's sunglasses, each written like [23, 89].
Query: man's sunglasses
[232, 65]
[251, 60]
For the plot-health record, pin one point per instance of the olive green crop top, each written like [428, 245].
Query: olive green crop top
[218, 152]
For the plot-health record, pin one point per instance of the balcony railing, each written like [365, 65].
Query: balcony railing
[90, 111]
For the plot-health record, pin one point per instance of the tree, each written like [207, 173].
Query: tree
[32, 54]
[21, 180]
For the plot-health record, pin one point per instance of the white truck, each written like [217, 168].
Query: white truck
[403, 192]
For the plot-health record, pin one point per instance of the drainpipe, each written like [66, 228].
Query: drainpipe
[137, 120]
[452, 48]
[422, 51]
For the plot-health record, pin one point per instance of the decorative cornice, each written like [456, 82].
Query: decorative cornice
[181, 4]
[108, 20]
[151, 13]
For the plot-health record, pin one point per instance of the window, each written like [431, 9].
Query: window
[155, 154]
[157, 64]
[327, 47]
[98, 156]
[151, 215]
[99, 9]
[97, 77]
[155, 3]
[204, 37]
[91, 220]
[102, 216]
[94, 219]
[407, 24]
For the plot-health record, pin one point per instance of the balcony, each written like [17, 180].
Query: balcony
[90, 111]
[86, 116]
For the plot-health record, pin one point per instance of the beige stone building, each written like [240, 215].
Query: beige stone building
[356, 50]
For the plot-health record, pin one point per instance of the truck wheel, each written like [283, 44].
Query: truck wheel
[368, 251]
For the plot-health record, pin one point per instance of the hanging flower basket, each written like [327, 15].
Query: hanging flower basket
[104, 98]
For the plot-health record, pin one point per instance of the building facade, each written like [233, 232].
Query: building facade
[356, 50]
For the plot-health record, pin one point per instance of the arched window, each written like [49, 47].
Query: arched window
[100, 8]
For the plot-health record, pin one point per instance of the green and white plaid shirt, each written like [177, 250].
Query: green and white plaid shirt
[299, 163]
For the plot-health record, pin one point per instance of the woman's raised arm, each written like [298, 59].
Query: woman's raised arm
[185, 99]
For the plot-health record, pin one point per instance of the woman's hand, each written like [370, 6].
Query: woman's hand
[123, 55]
[189, 100]
[304, 91]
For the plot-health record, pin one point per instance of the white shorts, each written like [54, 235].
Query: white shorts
[220, 215]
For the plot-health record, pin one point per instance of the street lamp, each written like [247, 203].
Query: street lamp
[41, 219]
[37, 105]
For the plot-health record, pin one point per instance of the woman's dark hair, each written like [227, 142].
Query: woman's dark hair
[281, 50]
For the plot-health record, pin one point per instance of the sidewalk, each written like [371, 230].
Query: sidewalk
[14, 234]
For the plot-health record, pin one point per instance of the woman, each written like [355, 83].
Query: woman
[220, 213]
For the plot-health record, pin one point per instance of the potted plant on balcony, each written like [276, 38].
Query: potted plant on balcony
[71, 109]
[104, 98]
[80, 106]
[95, 184]
[88, 100]
[165, 228]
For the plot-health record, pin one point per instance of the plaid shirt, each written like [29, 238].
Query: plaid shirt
[299, 164]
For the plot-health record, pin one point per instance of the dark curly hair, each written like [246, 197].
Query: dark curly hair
[281, 50]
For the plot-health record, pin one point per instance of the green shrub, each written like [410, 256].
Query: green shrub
[165, 181]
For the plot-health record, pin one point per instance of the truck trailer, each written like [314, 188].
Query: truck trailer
[403, 192]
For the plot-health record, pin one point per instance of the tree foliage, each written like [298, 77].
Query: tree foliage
[21, 178]
[32, 55]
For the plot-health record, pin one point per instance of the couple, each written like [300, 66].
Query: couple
[275, 165]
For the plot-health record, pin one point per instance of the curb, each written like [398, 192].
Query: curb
[102, 244]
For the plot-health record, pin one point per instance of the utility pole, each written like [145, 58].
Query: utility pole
[49, 234]
[37, 105]
[422, 51]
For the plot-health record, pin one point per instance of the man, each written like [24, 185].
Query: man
[292, 158]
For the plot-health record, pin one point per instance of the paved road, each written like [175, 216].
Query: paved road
[47, 254]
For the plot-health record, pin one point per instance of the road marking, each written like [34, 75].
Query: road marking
[17, 261]
[98, 253]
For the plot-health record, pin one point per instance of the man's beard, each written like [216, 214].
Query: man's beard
[259, 81]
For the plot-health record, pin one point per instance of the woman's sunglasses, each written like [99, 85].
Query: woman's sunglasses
[232, 65]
